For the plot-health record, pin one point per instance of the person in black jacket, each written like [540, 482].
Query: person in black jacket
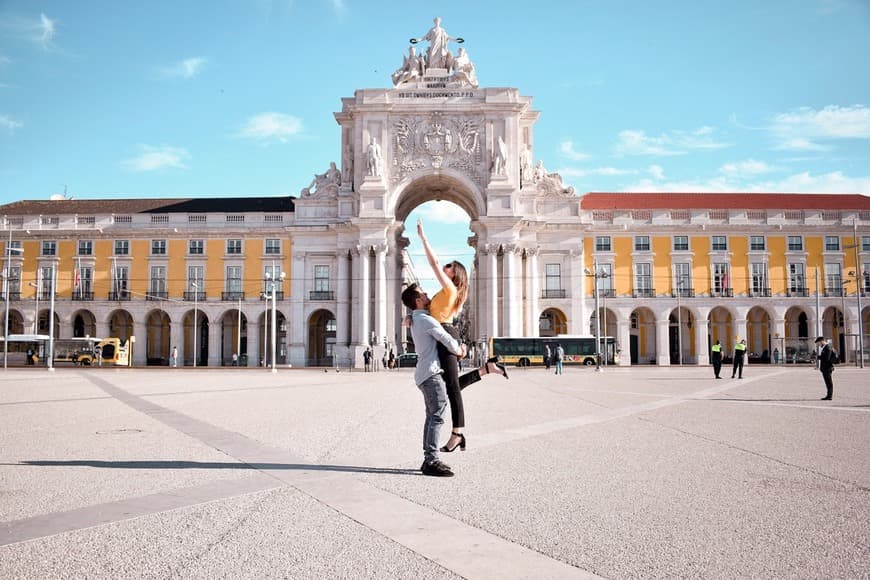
[827, 358]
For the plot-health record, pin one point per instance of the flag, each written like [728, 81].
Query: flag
[77, 280]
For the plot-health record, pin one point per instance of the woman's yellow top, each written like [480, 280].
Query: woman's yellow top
[442, 307]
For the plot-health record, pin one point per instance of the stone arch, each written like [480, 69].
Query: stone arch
[84, 323]
[759, 329]
[16, 322]
[199, 325]
[798, 345]
[720, 324]
[234, 337]
[265, 322]
[437, 185]
[834, 326]
[552, 322]
[321, 338]
[681, 335]
[42, 324]
[120, 325]
[158, 327]
[642, 336]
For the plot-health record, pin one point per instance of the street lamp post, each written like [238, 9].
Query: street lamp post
[6, 267]
[51, 319]
[272, 293]
[595, 275]
[195, 317]
[680, 281]
[858, 288]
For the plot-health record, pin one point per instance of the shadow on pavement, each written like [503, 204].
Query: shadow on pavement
[215, 465]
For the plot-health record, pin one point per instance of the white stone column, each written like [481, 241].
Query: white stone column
[214, 342]
[493, 281]
[740, 329]
[176, 334]
[576, 285]
[381, 306]
[342, 300]
[534, 285]
[701, 339]
[510, 304]
[297, 326]
[364, 298]
[623, 330]
[255, 337]
[663, 351]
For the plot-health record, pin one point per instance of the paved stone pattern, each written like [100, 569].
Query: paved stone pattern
[240, 473]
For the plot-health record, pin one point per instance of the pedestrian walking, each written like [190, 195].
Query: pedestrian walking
[559, 355]
[367, 359]
[776, 356]
[173, 357]
[827, 358]
[547, 355]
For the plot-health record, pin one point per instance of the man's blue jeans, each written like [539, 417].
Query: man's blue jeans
[435, 397]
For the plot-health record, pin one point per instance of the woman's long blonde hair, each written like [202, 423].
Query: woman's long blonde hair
[460, 280]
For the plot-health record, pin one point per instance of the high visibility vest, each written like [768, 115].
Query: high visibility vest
[739, 346]
[717, 348]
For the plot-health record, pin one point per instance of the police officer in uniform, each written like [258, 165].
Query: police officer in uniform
[739, 352]
[717, 358]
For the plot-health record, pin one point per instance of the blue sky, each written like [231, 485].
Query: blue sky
[232, 97]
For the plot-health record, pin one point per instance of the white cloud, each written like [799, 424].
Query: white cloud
[186, 69]
[443, 212]
[656, 171]
[605, 171]
[677, 142]
[750, 167]
[566, 148]
[834, 182]
[9, 124]
[271, 127]
[46, 30]
[154, 158]
[798, 129]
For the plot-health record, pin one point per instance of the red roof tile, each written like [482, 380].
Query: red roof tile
[598, 200]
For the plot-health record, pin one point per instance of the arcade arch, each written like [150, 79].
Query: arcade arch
[234, 337]
[200, 326]
[121, 325]
[321, 338]
[552, 322]
[158, 328]
[84, 324]
[642, 336]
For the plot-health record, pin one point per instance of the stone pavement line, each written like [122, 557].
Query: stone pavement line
[518, 433]
[452, 544]
[92, 516]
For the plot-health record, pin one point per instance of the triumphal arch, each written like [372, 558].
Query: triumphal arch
[435, 135]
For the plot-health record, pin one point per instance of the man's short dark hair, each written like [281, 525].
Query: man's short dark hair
[410, 295]
[819, 339]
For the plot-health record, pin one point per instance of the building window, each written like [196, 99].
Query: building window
[273, 246]
[195, 275]
[796, 278]
[719, 243]
[120, 282]
[795, 243]
[604, 280]
[756, 243]
[234, 247]
[865, 277]
[158, 247]
[643, 279]
[157, 286]
[721, 281]
[865, 243]
[86, 281]
[833, 279]
[832, 243]
[86, 248]
[552, 279]
[681, 243]
[49, 248]
[602, 244]
[321, 278]
[759, 279]
[196, 247]
[13, 283]
[683, 278]
[122, 247]
[234, 279]
[641, 243]
[272, 279]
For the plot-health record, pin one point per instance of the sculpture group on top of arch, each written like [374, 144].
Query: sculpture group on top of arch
[437, 61]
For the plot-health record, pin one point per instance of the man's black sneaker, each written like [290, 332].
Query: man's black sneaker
[436, 469]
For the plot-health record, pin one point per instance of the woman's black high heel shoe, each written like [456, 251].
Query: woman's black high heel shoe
[460, 443]
[498, 364]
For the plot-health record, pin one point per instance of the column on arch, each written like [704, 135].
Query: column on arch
[297, 326]
[362, 299]
[663, 344]
[702, 339]
[342, 299]
[512, 303]
[215, 328]
[492, 281]
[533, 284]
[381, 306]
